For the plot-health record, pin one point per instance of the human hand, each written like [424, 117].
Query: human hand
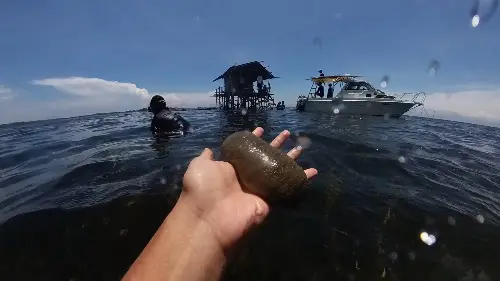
[213, 194]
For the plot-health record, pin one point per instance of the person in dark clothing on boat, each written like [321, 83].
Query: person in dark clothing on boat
[329, 94]
[320, 92]
[164, 120]
[321, 73]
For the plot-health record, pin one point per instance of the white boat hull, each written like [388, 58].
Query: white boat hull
[372, 107]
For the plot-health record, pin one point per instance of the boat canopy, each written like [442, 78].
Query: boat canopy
[333, 78]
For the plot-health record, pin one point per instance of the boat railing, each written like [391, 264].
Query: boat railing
[418, 97]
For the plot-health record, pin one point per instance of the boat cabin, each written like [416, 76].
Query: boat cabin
[350, 88]
[361, 89]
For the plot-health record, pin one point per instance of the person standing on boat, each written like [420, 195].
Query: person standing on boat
[329, 94]
[321, 90]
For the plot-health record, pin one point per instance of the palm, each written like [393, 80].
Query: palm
[217, 197]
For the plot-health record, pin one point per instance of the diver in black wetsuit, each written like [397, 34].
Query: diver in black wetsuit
[164, 120]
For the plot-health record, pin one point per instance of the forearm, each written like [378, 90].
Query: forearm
[183, 248]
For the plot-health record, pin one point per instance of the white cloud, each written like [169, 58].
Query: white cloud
[477, 104]
[88, 96]
[5, 93]
[82, 86]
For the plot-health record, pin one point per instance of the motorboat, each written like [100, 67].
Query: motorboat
[356, 97]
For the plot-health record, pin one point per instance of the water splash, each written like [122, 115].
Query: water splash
[402, 159]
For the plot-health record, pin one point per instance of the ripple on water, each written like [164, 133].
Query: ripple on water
[365, 199]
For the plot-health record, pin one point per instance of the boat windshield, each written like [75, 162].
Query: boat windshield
[359, 86]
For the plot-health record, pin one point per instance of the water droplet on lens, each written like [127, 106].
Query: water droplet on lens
[163, 180]
[337, 108]
[305, 142]
[451, 221]
[317, 42]
[482, 11]
[393, 256]
[244, 111]
[401, 159]
[411, 256]
[480, 218]
[428, 239]
[475, 20]
[433, 68]
[384, 82]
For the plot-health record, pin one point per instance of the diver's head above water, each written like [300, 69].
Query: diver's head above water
[157, 104]
[164, 120]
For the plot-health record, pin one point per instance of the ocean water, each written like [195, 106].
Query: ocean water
[80, 197]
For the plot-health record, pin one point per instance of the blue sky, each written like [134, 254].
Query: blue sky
[49, 49]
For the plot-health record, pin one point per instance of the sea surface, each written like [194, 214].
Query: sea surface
[81, 197]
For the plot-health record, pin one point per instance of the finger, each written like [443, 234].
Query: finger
[295, 152]
[311, 172]
[280, 139]
[258, 132]
[207, 154]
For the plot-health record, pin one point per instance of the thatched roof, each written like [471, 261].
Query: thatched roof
[249, 71]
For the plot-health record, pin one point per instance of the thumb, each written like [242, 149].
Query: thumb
[257, 209]
[207, 154]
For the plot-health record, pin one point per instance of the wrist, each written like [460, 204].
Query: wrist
[203, 251]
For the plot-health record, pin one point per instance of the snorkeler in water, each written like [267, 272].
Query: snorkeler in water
[164, 120]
